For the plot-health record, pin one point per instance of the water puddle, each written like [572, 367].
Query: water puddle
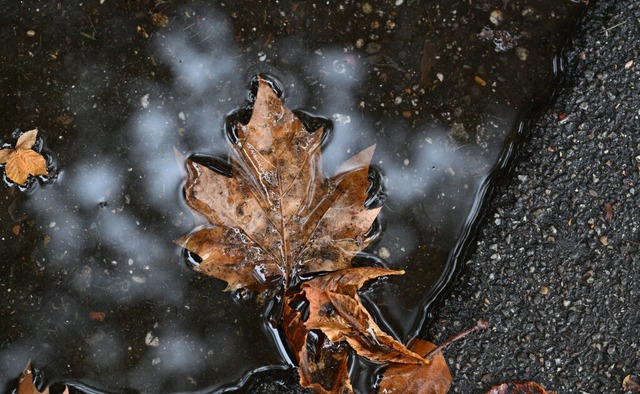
[94, 290]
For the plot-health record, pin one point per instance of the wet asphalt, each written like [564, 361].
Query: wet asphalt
[556, 264]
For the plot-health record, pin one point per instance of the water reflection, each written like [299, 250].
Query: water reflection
[100, 238]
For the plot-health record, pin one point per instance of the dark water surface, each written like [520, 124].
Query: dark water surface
[117, 87]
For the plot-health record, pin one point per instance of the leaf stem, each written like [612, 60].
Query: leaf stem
[480, 325]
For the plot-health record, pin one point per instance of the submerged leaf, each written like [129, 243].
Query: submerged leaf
[322, 364]
[23, 161]
[277, 216]
[432, 378]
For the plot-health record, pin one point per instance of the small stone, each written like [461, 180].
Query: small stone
[151, 340]
[367, 8]
[496, 17]
[384, 253]
[522, 53]
[373, 47]
[159, 19]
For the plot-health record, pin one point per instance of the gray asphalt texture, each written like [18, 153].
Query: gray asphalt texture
[555, 274]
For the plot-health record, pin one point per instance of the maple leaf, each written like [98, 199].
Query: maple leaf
[22, 161]
[273, 217]
[432, 378]
[277, 216]
[26, 384]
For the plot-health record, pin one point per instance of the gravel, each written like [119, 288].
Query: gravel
[556, 263]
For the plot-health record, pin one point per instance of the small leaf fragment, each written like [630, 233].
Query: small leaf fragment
[630, 383]
[519, 388]
[609, 211]
[26, 384]
[27, 139]
[23, 161]
[97, 315]
[5, 154]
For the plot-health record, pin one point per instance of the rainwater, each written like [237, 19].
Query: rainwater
[92, 287]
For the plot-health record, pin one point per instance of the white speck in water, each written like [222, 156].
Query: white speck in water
[139, 279]
[399, 2]
[262, 56]
[144, 101]
[181, 115]
[406, 162]
[151, 340]
[114, 262]
[52, 224]
[130, 261]
[384, 253]
[341, 118]
[155, 361]
[440, 77]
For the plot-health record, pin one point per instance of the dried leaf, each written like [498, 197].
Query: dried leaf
[23, 161]
[519, 388]
[27, 139]
[426, 62]
[630, 383]
[97, 315]
[432, 378]
[26, 385]
[336, 310]
[609, 211]
[322, 364]
[277, 216]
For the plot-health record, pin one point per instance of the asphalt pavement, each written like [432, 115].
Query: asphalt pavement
[556, 264]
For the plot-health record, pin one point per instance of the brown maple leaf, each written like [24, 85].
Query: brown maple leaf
[277, 216]
[26, 384]
[22, 161]
[432, 378]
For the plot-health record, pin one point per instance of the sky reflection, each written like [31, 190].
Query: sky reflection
[101, 237]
